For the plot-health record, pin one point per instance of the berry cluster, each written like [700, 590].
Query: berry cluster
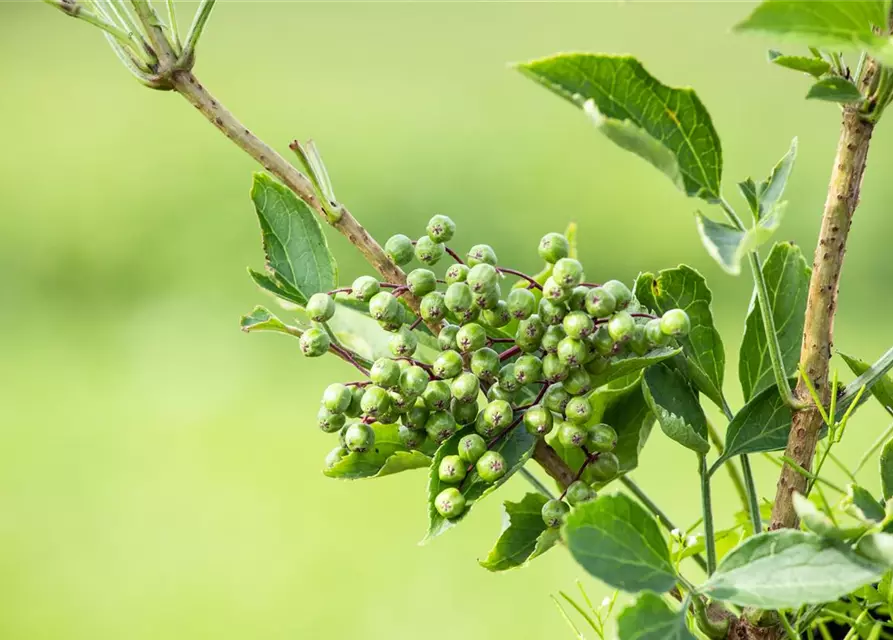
[525, 357]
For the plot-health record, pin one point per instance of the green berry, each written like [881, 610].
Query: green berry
[440, 228]
[596, 365]
[481, 276]
[447, 365]
[481, 253]
[421, 282]
[552, 313]
[384, 307]
[600, 303]
[491, 466]
[553, 335]
[336, 398]
[528, 369]
[568, 273]
[602, 438]
[376, 401]
[531, 330]
[427, 251]
[553, 247]
[465, 387]
[385, 373]
[472, 447]
[497, 316]
[554, 370]
[451, 470]
[356, 400]
[440, 426]
[459, 298]
[538, 420]
[577, 300]
[579, 492]
[456, 273]
[604, 468]
[571, 435]
[432, 308]
[417, 416]
[471, 337]
[554, 512]
[450, 503]
[602, 341]
[328, 421]
[410, 438]
[403, 343]
[446, 339]
[506, 378]
[498, 393]
[521, 303]
[364, 287]
[314, 342]
[577, 382]
[437, 395]
[334, 456]
[400, 404]
[578, 410]
[554, 292]
[359, 437]
[464, 413]
[655, 335]
[320, 307]
[621, 326]
[487, 298]
[485, 364]
[622, 294]
[572, 352]
[399, 249]
[413, 381]
[639, 342]
[498, 414]
[676, 323]
[556, 398]
[578, 324]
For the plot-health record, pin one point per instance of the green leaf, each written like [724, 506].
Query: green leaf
[834, 89]
[524, 535]
[787, 274]
[728, 245]
[676, 406]
[866, 507]
[297, 254]
[877, 547]
[670, 128]
[629, 363]
[813, 66]
[516, 448]
[886, 467]
[870, 378]
[786, 569]
[387, 457]
[261, 319]
[771, 189]
[761, 425]
[839, 24]
[270, 284]
[685, 288]
[882, 389]
[650, 618]
[618, 542]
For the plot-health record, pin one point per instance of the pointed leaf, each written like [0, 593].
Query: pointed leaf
[516, 448]
[261, 319]
[871, 377]
[296, 250]
[772, 188]
[728, 245]
[866, 507]
[882, 389]
[886, 465]
[788, 569]
[685, 288]
[629, 362]
[650, 618]
[763, 424]
[677, 408]
[834, 89]
[387, 457]
[270, 284]
[813, 66]
[524, 536]
[670, 128]
[787, 274]
[618, 542]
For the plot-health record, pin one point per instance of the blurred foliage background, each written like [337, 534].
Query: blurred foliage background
[159, 470]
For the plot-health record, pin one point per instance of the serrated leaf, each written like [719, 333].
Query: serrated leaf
[763, 424]
[728, 245]
[866, 507]
[261, 319]
[787, 569]
[628, 363]
[524, 536]
[651, 618]
[685, 288]
[813, 66]
[882, 389]
[668, 127]
[618, 542]
[835, 23]
[886, 468]
[787, 274]
[676, 406]
[297, 253]
[387, 457]
[871, 377]
[516, 448]
[834, 89]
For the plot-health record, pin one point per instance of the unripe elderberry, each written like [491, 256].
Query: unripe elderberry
[491, 466]
[399, 249]
[320, 307]
[451, 470]
[447, 365]
[314, 342]
[427, 251]
[538, 420]
[553, 247]
[472, 447]
[471, 337]
[450, 503]
[481, 253]
[421, 282]
[336, 398]
[602, 438]
[568, 273]
[554, 512]
[359, 437]
[676, 323]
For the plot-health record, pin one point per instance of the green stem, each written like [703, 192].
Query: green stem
[737, 481]
[175, 29]
[852, 633]
[195, 31]
[753, 500]
[81, 13]
[877, 444]
[707, 508]
[786, 625]
[715, 630]
[539, 486]
[795, 466]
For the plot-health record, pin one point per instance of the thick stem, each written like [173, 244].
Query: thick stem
[815, 352]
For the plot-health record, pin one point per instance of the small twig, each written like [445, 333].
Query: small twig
[523, 276]
[415, 323]
[195, 31]
[533, 480]
[453, 254]
[508, 353]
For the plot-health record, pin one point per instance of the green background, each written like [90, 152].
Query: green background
[159, 470]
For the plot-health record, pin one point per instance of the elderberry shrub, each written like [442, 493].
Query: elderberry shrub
[491, 363]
